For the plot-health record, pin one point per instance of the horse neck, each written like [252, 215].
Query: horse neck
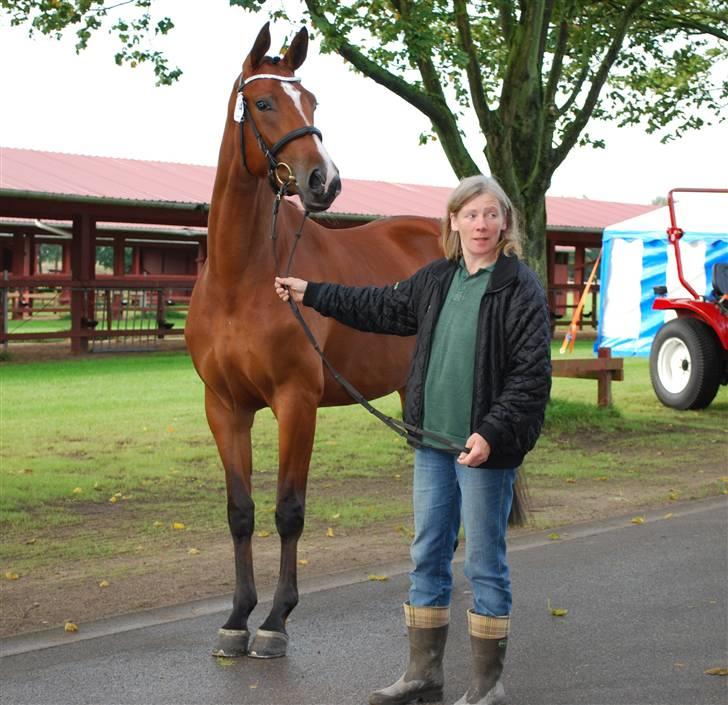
[239, 222]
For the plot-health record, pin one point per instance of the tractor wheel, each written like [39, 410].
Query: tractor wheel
[685, 364]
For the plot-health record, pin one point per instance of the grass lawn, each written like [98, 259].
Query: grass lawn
[101, 454]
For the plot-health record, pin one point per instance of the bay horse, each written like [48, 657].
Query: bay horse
[247, 346]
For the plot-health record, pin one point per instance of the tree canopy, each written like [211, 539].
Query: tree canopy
[532, 72]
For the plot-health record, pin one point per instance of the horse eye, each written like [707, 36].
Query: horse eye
[262, 105]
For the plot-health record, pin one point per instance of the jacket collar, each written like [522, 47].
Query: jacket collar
[506, 270]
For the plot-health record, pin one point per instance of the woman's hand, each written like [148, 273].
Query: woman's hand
[287, 287]
[479, 451]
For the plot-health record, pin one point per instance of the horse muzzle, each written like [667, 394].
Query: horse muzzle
[319, 190]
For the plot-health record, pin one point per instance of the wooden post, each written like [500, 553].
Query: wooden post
[579, 276]
[119, 241]
[550, 274]
[201, 254]
[604, 383]
[83, 269]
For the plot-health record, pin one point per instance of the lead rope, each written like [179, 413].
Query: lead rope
[407, 431]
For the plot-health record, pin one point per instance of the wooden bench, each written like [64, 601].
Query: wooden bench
[604, 369]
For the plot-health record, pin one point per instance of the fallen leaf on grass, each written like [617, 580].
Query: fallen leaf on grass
[178, 525]
[113, 499]
[263, 534]
[104, 584]
[603, 478]
[193, 551]
[554, 536]
[70, 627]
[556, 611]
[30, 542]
[11, 575]
[570, 480]
[638, 520]
[716, 671]
[77, 490]
[336, 516]
[673, 495]
[157, 524]
[378, 578]
[330, 533]
[222, 661]
[303, 561]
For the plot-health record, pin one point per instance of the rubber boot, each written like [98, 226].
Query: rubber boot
[488, 642]
[423, 680]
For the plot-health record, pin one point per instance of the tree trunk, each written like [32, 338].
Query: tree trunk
[533, 214]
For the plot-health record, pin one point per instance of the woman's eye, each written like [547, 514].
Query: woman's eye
[262, 105]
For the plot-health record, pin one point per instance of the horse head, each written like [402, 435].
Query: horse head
[278, 138]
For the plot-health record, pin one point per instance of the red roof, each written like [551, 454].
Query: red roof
[111, 177]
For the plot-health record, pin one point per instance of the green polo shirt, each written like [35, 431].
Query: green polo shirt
[450, 370]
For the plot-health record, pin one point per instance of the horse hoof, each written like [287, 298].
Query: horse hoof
[268, 644]
[231, 643]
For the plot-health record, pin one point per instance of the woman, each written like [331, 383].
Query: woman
[480, 376]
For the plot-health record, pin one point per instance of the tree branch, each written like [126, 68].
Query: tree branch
[506, 19]
[557, 63]
[571, 134]
[688, 23]
[480, 104]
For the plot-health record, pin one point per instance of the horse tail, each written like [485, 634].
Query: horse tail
[520, 508]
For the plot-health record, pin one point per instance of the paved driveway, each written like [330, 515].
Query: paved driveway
[648, 611]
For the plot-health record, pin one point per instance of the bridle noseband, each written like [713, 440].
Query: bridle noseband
[274, 166]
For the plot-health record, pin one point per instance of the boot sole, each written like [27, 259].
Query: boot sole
[429, 696]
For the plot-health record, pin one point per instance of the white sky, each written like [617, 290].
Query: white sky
[54, 100]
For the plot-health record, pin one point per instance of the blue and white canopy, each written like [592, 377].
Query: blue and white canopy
[636, 256]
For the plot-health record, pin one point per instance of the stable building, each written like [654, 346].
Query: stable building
[100, 230]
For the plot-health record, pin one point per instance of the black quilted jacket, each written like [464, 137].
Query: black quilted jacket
[513, 359]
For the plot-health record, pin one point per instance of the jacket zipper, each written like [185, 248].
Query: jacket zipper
[487, 292]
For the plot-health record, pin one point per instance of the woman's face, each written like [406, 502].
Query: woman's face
[480, 223]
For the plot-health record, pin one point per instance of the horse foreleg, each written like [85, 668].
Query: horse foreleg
[231, 430]
[296, 428]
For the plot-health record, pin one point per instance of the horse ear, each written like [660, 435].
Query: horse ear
[296, 53]
[261, 46]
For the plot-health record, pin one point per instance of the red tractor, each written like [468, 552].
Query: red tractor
[689, 355]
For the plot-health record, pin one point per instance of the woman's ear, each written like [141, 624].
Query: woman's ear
[453, 223]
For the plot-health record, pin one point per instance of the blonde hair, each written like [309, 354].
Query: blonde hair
[467, 189]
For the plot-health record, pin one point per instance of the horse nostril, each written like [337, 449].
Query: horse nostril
[316, 182]
[335, 186]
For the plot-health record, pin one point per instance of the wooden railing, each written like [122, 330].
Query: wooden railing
[604, 369]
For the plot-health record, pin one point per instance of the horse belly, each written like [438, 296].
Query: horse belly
[375, 364]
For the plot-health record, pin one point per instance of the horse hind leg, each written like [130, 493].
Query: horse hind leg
[232, 435]
[296, 428]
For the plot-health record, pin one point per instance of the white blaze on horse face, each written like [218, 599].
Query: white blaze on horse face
[294, 94]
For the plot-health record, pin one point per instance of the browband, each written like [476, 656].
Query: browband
[289, 79]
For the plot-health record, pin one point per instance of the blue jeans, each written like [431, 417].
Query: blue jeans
[444, 490]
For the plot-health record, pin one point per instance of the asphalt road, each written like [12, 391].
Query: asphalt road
[647, 615]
